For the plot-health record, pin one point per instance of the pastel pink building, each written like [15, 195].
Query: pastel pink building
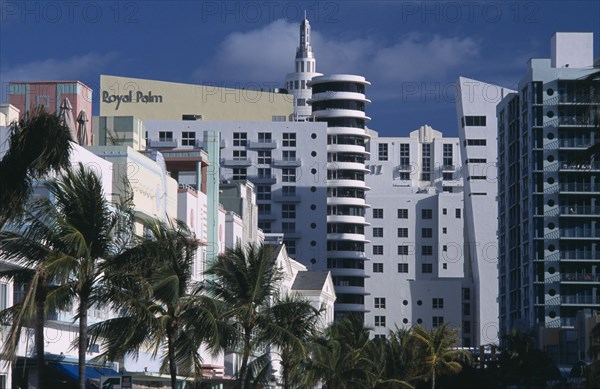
[27, 95]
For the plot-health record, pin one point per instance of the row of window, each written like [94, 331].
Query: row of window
[425, 213]
[287, 175]
[426, 268]
[436, 321]
[436, 303]
[288, 211]
[263, 192]
[288, 139]
[404, 249]
[264, 156]
[403, 232]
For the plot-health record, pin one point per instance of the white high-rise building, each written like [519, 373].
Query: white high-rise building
[305, 69]
[417, 273]
[339, 100]
[477, 130]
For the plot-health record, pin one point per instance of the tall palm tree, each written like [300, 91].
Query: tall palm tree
[401, 363]
[67, 238]
[159, 303]
[38, 144]
[438, 353]
[247, 281]
[300, 318]
[343, 357]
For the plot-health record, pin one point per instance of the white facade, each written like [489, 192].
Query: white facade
[417, 273]
[286, 164]
[477, 129]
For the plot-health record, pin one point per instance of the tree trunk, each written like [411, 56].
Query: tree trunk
[433, 378]
[83, 339]
[40, 302]
[245, 356]
[172, 362]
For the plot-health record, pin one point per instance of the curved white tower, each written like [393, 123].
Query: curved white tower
[297, 83]
[340, 101]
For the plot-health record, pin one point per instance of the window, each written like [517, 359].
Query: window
[466, 293]
[288, 211]
[288, 191]
[377, 267]
[264, 157]
[447, 154]
[263, 192]
[239, 174]
[444, 248]
[469, 121]
[379, 321]
[289, 139]
[264, 209]
[300, 102]
[466, 309]
[476, 160]
[379, 336]
[457, 213]
[265, 226]
[426, 232]
[165, 136]
[377, 232]
[402, 232]
[288, 227]
[403, 268]
[475, 142]
[264, 137]
[288, 155]
[288, 175]
[447, 176]
[264, 172]
[3, 296]
[426, 268]
[426, 250]
[380, 302]
[444, 230]
[403, 214]
[466, 327]
[239, 155]
[437, 321]
[240, 139]
[437, 303]
[188, 138]
[404, 155]
[290, 246]
[426, 214]
[383, 151]
[278, 118]
[377, 250]
[403, 250]
[426, 162]
[377, 213]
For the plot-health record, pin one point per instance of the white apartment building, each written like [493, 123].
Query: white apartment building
[477, 131]
[549, 195]
[417, 272]
[286, 163]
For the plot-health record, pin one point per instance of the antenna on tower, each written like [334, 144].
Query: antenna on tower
[304, 14]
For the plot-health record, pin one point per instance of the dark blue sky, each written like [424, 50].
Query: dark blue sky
[411, 51]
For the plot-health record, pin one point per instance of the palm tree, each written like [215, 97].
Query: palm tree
[438, 353]
[159, 303]
[401, 363]
[67, 241]
[344, 357]
[247, 281]
[300, 318]
[38, 144]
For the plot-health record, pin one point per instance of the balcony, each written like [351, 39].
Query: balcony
[580, 210]
[264, 180]
[580, 277]
[579, 168]
[262, 144]
[287, 199]
[267, 216]
[579, 255]
[229, 162]
[448, 168]
[287, 162]
[579, 233]
[580, 300]
[404, 168]
[576, 187]
[166, 143]
[200, 144]
[573, 143]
